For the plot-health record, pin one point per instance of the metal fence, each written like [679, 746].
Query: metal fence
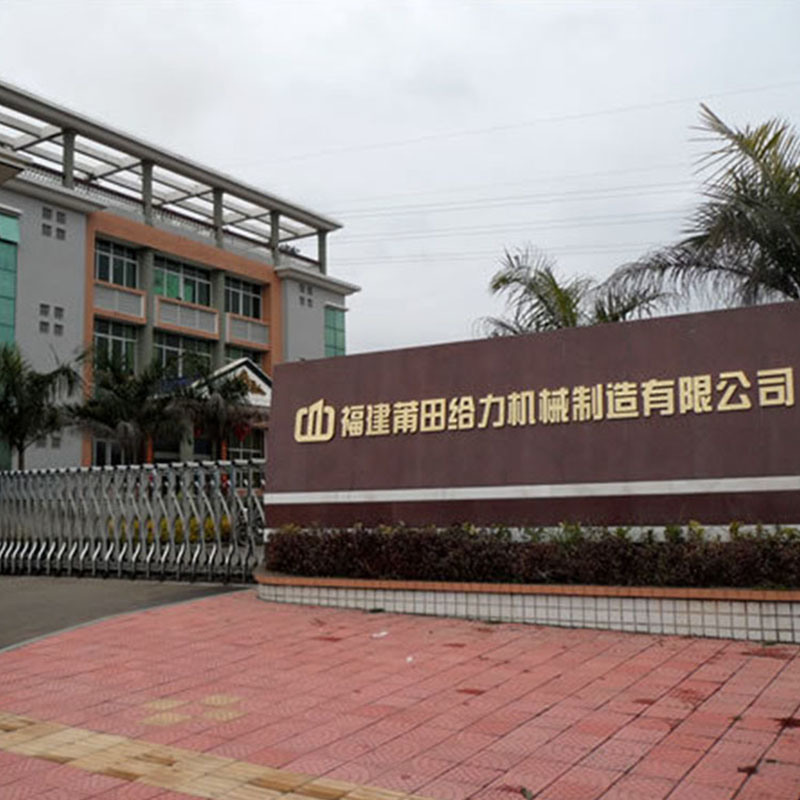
[178, 521]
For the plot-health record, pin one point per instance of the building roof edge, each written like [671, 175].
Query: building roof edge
[28, 103]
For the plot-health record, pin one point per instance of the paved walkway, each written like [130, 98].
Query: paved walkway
[235, 698]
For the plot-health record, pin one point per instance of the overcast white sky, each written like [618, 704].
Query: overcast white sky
[437, 131]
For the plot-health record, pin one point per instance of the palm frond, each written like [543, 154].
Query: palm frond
[536, 298]
[742, 243]
[31, 402]
[614, 305]
[770, 151]
[128, 408]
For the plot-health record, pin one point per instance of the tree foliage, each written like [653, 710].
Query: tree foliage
[742, 243]
[136, 410]
[217, 407]
[129, 409]
[538, 300]
[30, 401]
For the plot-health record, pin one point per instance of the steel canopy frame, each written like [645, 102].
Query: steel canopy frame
[111, 160]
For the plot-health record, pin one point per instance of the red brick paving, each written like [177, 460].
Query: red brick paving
[448, 709]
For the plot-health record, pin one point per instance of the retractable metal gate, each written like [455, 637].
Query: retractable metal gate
[178, 521]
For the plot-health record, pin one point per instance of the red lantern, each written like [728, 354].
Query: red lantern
[241, 431]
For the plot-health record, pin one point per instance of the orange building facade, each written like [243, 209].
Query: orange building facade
[140, 254]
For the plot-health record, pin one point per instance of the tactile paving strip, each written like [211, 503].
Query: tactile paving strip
[173, 768]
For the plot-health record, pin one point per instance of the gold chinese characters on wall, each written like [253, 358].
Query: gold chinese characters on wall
[730, 391]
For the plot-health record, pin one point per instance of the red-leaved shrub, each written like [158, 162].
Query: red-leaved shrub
[569, 555]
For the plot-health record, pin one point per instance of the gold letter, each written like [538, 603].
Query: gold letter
[314, 423]
[776, 387]
[728, 387]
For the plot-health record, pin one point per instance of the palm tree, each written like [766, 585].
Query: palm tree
[30, 400]
[130, 409]
[217, 409]
[539, 301]
[743, 242]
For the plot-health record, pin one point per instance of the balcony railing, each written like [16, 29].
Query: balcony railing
[188, 316]
[248, 331]
[119, 300]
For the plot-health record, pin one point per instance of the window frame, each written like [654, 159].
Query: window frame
[172, 349]
[118, 336]
[245, 449]
[111, 453]
[121, 267]
[335, 342]
[177, 280]
[242, 298]
[242, 352]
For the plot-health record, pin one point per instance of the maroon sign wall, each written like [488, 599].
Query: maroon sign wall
[686, 417]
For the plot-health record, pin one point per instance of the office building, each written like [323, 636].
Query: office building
[109, 242]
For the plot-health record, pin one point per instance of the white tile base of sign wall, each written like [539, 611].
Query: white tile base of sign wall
[754, 620]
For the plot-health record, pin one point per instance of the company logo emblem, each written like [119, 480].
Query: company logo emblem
[314, 423]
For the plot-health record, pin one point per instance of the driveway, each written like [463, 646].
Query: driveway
[34, 605]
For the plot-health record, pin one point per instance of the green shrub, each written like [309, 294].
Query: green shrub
[571, 554]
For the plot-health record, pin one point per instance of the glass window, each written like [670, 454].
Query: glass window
[44, 310]
[235, 353]
[47, 230]
[8, 256]
[61, 217]
[242, 297]
[8, 282]
[118, 272]
[102, 264]
[47, 213]
[173, 286]
[334, 331]
[115, 263]
[7, 310]
[182, 356]
[202, 448]
[9, 228]
[189, 289]
[114, 342]
[180, 281]
[106, 454]
[250, 446]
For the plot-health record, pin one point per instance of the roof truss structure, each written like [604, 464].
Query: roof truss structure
[84, 154]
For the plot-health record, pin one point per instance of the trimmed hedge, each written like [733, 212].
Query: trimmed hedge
[681, 557]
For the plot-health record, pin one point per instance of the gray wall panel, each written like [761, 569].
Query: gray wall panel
[51, 272]
[304, 324]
